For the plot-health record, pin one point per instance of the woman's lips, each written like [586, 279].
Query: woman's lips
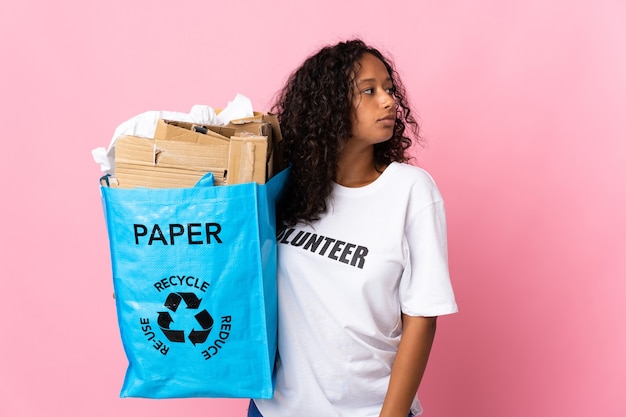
[387, 121]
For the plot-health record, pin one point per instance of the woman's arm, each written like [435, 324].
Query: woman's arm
[408, 368]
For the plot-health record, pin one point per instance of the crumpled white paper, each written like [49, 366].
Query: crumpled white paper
[144, 124]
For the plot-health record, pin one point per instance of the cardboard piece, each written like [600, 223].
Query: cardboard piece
[264, 124]
[247, 159]
[181, 153]
[157, 163]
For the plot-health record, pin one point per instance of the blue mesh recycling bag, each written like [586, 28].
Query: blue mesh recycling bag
[194, 274]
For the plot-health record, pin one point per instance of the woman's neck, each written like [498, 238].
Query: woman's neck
[357, 169]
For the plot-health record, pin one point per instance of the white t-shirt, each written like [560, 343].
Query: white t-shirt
[344, 281]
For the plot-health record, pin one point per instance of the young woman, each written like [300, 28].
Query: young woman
[362, 255]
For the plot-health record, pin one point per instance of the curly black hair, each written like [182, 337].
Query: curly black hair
[315, 110]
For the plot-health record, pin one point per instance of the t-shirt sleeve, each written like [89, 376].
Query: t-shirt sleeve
[425, 287]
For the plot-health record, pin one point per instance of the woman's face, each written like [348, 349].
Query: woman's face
[374, 113]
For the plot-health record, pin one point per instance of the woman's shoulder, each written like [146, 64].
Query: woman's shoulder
[416, 180]
[411, 173]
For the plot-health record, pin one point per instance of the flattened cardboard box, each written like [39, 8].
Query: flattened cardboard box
[181, 153]
[156, 163]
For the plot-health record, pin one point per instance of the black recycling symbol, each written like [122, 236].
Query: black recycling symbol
[192, 302]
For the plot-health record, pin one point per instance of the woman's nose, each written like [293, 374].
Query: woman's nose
[388, 100]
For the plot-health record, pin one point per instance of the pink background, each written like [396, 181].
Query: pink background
[523, 105]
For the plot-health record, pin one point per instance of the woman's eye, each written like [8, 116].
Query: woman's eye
[368, 91]
[390, 90]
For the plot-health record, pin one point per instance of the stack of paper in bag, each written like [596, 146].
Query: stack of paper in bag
[181, 153]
